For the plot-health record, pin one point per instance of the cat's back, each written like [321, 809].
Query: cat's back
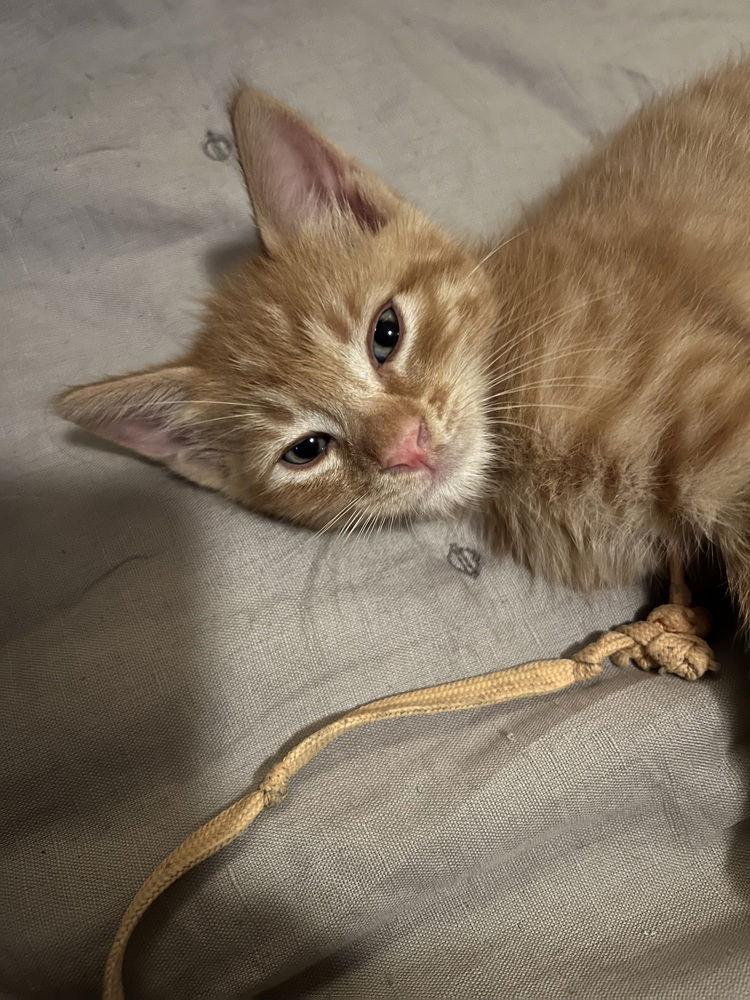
[646, 244]
[658, 213]
[686, 153]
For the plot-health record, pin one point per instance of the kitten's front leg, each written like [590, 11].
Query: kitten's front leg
[679, 593]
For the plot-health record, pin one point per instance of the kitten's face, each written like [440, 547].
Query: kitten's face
[339, 377]
[355, 368]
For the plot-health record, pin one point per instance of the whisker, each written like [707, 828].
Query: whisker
[571, 380]
[551, 357]
[344, 531]
[193, 402]
[364, 531]
[540, 359]
[339, 515]
[377, 524]
[213, 420]
[496, 249]
[511, 318]
[522, 335]
[534, 406]
[232, 432]
[544, 354]
[370, 526]
[569, 310]
[500, 421]
[354, 522]
[362, 524]
[557, 383]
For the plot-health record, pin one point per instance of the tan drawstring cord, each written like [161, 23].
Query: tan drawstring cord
[669, 640]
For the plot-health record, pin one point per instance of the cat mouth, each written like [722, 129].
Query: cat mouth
[432, 476]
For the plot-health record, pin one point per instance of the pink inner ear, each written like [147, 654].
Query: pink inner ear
[142, 436]
[307, 176]
[303, 170]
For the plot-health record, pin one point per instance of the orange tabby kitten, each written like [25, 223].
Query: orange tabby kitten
[584, 386]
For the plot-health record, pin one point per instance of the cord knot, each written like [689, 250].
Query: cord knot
[274, 786]
[670, 641]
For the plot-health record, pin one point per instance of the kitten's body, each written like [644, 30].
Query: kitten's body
[585, 387]
[645, 315]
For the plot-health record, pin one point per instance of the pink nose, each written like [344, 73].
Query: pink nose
[409, 449]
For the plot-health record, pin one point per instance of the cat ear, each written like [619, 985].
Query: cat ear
[152, 414]
[293, 174]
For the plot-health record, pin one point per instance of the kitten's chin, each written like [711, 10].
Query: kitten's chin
[448, 495]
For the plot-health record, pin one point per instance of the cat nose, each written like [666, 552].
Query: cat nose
[409, 450]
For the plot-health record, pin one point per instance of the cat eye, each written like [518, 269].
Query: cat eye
[386, 334]
[307, 449]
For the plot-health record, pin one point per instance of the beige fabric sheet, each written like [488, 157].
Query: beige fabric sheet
[160, 645]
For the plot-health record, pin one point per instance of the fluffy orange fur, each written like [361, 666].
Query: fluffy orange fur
[583, 385]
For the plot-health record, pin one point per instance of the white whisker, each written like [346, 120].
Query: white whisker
[495, 250]
[339, 515]
[553, 383]
[354, 523]
[508, 322]
[534, 406]
[502, 422]
[213, 420]
[193, 402]
[535, 362]
[508, 346]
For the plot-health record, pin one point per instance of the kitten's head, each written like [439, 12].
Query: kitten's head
[339, 375]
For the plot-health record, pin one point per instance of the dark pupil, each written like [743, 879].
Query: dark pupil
[308, 449]
[386, 334]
